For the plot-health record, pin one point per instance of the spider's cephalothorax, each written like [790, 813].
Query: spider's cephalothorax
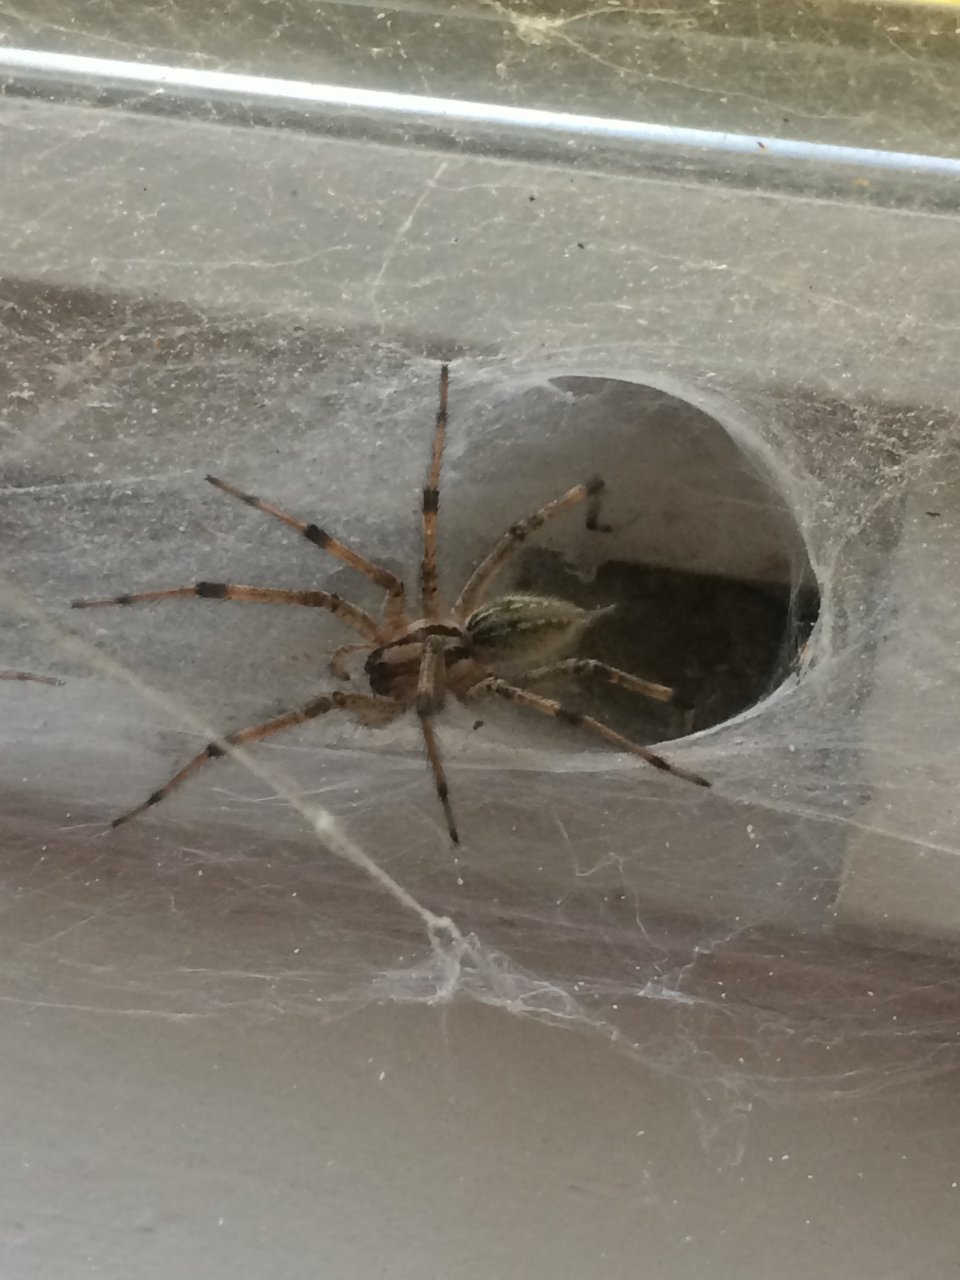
[472, 650]
[393, 669]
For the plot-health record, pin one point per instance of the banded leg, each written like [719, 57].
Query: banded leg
[367, 706]
[602, 671]
[394, 607]
[430, 693]
[354, 617]
[431, 506]
[550, 707]
[26, 675]
[519, 532]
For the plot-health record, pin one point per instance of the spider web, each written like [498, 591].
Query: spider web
[781, 547]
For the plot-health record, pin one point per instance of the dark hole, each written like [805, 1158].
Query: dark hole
[706, 562]
[722, 645]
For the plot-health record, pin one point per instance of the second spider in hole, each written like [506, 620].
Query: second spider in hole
[470, 650]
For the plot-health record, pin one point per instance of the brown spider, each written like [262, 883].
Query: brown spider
[413, 664]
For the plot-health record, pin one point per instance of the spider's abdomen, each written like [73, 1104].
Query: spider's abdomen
[526, 630]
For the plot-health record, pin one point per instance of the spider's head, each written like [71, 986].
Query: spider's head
[394, 668]
[523, 631]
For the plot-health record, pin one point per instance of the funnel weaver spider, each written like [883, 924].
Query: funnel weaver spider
[413, 664]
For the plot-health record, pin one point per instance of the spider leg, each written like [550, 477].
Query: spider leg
[336, 659]
[25, 675]
[429, 700]
[394, 607]
[603, 671]
[500, 688]
[431, 506]
[519, 532]
[365, 705]
[354, 617]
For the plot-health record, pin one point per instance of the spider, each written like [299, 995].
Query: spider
[466, 651]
